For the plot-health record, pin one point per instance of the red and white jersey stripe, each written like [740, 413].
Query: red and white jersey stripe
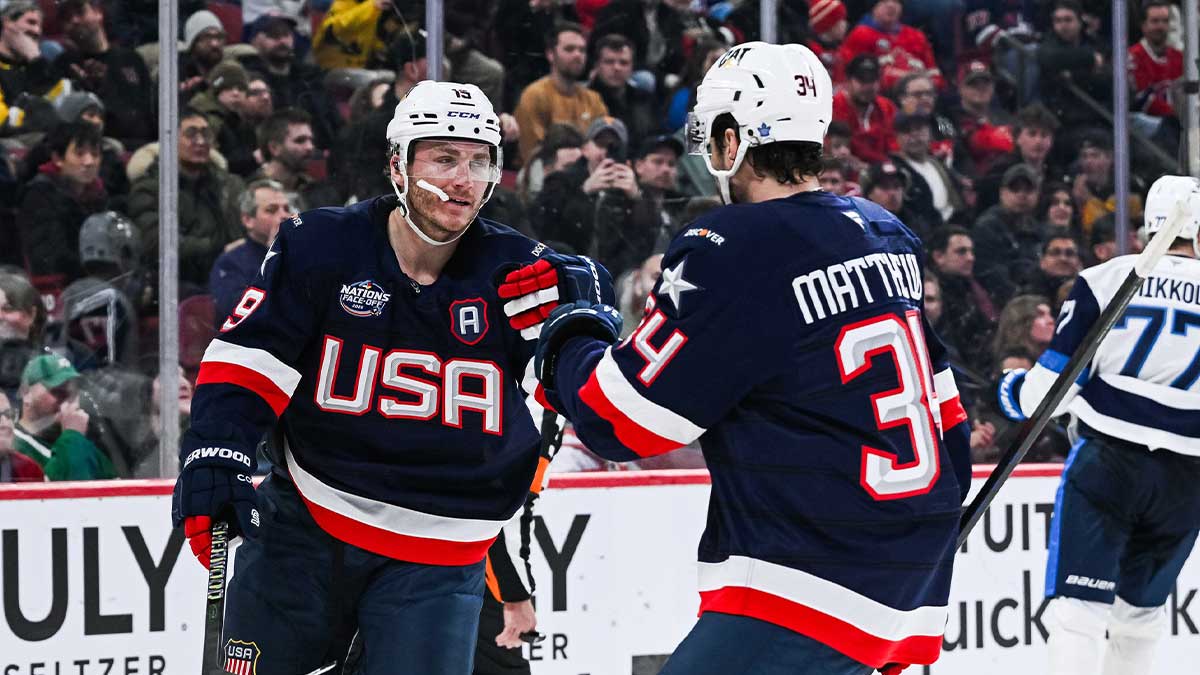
[641, 425]
[855, 625]
[946, 389]
[390, 530]
[255, 369]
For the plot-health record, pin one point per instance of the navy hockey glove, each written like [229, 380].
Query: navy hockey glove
[215, 484]
[580, 318]
[1008, 391]
[535, 290]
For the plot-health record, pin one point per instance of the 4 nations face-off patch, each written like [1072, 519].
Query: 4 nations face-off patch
[363, 298]
[241, 658]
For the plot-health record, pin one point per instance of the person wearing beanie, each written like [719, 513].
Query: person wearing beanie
[80, 104]
[221, 103]
[204, 42]
[827, 22]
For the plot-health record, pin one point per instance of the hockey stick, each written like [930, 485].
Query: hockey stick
[1032, 427]
[551, 442]
[214, 615]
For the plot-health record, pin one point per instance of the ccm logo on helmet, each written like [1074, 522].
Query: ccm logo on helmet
[463, 114]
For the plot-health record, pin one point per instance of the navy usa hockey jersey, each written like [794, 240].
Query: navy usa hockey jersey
[788, 337]
[1141, 384]
[402, 419]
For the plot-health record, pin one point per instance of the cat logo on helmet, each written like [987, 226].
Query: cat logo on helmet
[733, 57]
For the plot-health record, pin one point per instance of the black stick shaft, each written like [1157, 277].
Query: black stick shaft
[214, 615]
[1032, 427]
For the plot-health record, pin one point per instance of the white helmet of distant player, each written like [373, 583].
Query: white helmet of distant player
[1170, 197]
[445, 110]
[774, 92]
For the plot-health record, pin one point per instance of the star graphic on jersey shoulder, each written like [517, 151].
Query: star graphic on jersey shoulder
[262, 269]
[673, 285]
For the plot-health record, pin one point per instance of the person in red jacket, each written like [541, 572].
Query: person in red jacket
[14, 466]
[867, 114]
[827, 22]
[1155, 65]
[900, 49]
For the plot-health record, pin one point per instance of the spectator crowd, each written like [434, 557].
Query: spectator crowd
[980, 123]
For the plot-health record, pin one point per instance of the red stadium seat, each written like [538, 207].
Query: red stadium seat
[231, 18]
[50, 28]
[196, 318]
[508, 179]
[317, 169]
[316, 18]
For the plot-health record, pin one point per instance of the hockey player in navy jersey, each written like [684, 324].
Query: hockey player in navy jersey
[786, 334]
[1128, 508]
[372, 348]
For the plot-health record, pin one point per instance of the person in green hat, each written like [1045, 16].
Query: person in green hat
[52, 429]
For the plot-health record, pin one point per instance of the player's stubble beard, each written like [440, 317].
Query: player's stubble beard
[425, 207]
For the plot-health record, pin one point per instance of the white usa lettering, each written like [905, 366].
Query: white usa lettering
[399, 368]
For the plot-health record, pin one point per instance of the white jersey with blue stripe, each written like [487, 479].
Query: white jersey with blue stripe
[1141, 384]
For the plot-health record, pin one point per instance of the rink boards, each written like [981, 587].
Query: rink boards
[94, 580]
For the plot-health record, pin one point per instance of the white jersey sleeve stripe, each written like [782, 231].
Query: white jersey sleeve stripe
[945, 386]
[260, 361]
[647, 414]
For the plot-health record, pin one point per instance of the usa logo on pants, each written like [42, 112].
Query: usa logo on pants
[241, 658]
[468, 320]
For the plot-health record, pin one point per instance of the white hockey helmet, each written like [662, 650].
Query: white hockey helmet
[443, 110]
[1167, 196]
[774, 92]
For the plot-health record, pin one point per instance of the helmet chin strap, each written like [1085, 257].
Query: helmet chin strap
[405, 211]
[723, 175]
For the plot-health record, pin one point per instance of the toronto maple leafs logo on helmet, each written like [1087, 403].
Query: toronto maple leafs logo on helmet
[363, 298]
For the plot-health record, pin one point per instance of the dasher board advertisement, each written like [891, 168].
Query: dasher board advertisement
[94, 581]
